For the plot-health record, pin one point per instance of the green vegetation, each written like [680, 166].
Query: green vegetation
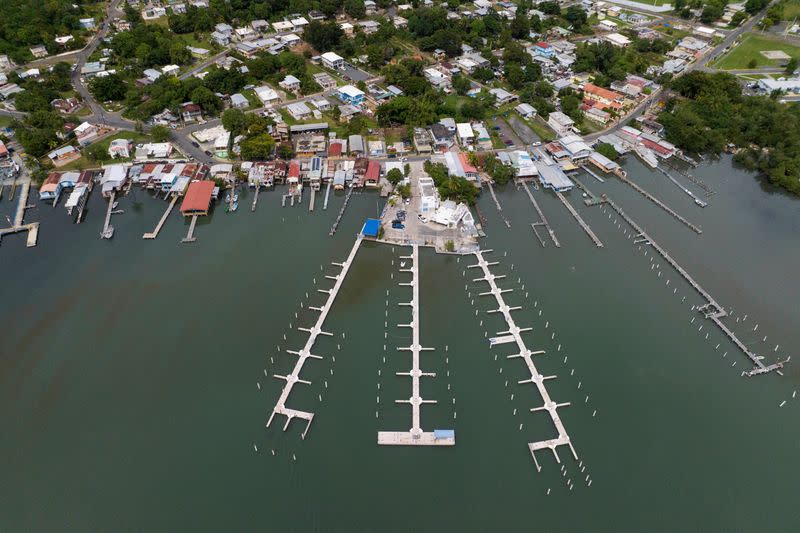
[37, 132]
[98, 152]
[27, 23]
[394, 176]
[713, 112]
[607, 150]
[451, 187]
[500, 173]
[38, 94]
[748, 52]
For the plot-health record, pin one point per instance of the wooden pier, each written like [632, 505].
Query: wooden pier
[415, 436]
[305, 353]
[662, 205]
[190, 234]
[497, 204]
[580, 220]
[697, 200]
[19, 216]
[542, 219]
[108, 229]
[313, 197]
[592, 173]
[341, 212]
[327, 195]
[592, 199]
[513, 335]
[163, 219]
[711, 310]
[255, 197]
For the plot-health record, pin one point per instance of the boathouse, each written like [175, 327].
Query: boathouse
[198, 198]
[371, 228]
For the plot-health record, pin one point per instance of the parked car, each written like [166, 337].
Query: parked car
[194, 143]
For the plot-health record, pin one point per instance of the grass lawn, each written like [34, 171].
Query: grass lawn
[5, 121]
[654, 2]
[791, 9]
[749, 50]
[540, 127]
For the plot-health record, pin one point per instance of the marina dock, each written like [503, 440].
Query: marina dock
[190, 234]
[305, 353]
[513, 335]
[255, 197]
[662, 205]
[711, 310]
[542, 219]
[160, 224]
[341, 211]
[108, 229]
[497, 204]
[415, 436]
[327, 195]
[19, 215]
[580, 220]
[678, 184]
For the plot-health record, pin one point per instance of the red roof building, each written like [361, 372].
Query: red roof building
[198, 198]
[373, 174]
[294, 169]
[605, 97]
[3, 150]
[335, 149]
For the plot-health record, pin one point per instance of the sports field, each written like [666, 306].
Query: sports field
[747, 54]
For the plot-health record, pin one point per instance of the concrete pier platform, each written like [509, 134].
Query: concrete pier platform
[305, 353]
[523, 352]
[163, 219]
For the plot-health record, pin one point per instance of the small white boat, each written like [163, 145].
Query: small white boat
[402, 264]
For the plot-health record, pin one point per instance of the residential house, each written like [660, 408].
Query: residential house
[369, 26]
[321, 103]
[617, 39]
[324, 80]
[352, 95]
[561, 123]
[526, 111]
[266, 94]
[602, 98]
[347, 29]
[290, 83]
[356, 144]
[66, 106]
[238, 101]
[191, 112]
[502, 97]
[120, 148]
[64, 155]
[85, 133]
[422, 141]
[465, 134]
[38, 51]
[332, 60]
[542, 49]
[299, 110]
[114, 178]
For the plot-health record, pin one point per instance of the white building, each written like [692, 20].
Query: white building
[428, 195]
[560, 123]
[465, 134]
[266, 94]
[332, 60]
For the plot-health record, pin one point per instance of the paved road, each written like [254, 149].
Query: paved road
[204, 64]
[700, 64]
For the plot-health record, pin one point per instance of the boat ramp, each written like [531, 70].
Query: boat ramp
[514, 335]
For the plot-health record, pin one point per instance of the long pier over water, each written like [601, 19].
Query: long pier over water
[711, 310]
[415, 436]
[305, 353]
[513, 334]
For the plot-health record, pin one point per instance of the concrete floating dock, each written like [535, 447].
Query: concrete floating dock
[255, 198]
[163, 219]
[580, 220]
[711, 310]
[305, 353]
[542, 219]
[327, 195]
[527, 355]
[415, 436]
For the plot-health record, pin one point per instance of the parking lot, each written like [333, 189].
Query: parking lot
[354, 74]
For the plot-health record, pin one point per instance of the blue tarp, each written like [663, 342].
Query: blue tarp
[371, 227]
[444, 434]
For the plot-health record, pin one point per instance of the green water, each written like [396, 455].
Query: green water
[129, 371]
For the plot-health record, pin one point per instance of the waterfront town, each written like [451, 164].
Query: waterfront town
[421, 106]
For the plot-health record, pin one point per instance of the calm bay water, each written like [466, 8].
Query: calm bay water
[128, 372]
